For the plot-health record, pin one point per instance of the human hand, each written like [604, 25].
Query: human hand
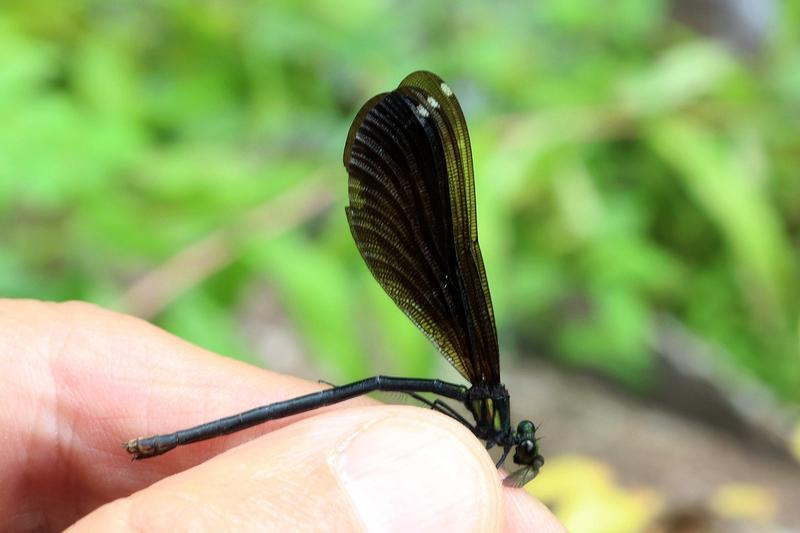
[76, 381]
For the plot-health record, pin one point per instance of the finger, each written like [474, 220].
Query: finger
[386, 468]
[76, 381]
[108, 377]
[523, 513]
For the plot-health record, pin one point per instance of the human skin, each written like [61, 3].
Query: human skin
[76, 381]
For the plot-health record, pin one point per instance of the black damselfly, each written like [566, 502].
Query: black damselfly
[412, 215]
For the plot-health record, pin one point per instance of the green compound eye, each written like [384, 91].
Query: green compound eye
[526, 428]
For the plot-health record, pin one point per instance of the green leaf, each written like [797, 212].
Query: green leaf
[716, 178]
[205, 322]
[317, 293]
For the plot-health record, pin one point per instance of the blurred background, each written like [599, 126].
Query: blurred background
[636, 173]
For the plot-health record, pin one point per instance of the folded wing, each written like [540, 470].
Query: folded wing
[412, 215]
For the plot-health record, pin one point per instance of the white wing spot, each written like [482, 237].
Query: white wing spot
[422, 111]
[432, 102]
[446, 89]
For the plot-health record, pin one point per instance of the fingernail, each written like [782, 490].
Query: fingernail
[407, 474]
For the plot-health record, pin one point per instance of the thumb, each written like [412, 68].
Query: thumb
[387, 468]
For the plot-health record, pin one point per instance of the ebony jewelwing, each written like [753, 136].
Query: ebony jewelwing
[412, 216]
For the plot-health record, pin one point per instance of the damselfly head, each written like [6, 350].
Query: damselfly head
[526, 454]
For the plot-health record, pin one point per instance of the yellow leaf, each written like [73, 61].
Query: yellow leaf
[744, 500]
[586, 498]
[795, 443]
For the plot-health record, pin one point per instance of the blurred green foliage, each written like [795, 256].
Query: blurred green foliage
[626, 170]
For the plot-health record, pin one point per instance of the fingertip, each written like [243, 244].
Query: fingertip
[525, 513]
[416, 470]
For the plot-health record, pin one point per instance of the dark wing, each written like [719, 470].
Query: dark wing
[412, 215]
